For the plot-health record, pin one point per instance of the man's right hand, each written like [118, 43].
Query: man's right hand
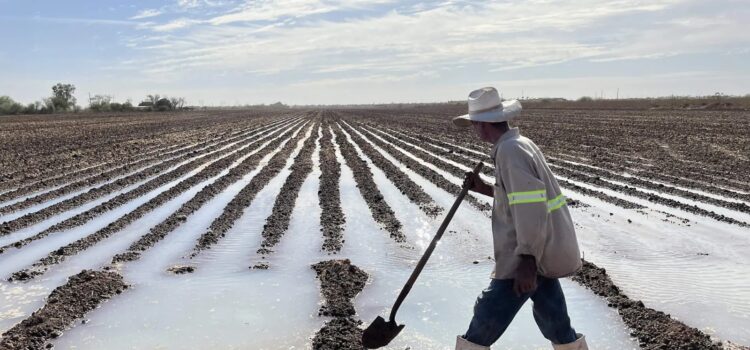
[475, 183]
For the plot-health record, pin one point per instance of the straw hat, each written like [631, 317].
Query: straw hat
[485, 106]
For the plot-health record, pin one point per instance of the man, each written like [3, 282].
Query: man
[533, 234]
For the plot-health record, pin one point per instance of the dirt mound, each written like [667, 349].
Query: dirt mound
[340, 282]
[653, 329]
[67, 303]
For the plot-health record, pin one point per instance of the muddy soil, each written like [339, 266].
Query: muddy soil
[161, 230]
[653, 329]
[703, 150]
[379, 208]
[245, 197]
[111, 169]
[151, 185]
[66, 304]
[425, 171]
[340, 282]
[332, 218]
[608, 175]
[40, 147]
[411, 190]
[141, 168]
[654, 198]
[203, 154]
[74, 248]
[278, 222]
[489, 170]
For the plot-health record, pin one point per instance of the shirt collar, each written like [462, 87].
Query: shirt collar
[511, 133]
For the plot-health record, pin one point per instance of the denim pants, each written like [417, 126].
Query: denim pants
[496, 307]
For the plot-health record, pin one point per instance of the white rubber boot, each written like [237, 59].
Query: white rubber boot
[579, 344]
[463, 344]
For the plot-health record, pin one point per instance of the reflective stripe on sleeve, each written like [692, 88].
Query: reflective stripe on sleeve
[556, 203]
[527, 197]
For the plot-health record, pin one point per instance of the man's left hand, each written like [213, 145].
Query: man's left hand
[525, 281]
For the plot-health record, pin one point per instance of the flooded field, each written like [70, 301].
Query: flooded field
[201, 231]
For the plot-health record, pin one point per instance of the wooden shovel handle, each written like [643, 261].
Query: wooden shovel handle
[433, 244]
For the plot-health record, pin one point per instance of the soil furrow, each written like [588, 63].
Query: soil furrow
[198, 158]
[54, 144]
[448, 153]
[234, 210]
[77, 165]
[607, 175]
[61, 254]
[379, 208]
[431, 175]
[102, 175]
[340, 282]
[104, 172]
[278, 222]
[489, 170]
[653, 198]
[332, 218]
[70, 302]
[653, 329]
[409, 188]
[143, 168]
[161, 230]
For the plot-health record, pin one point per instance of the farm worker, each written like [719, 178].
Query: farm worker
[533, 235]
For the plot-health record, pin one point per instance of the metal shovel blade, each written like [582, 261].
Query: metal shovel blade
[379, 333]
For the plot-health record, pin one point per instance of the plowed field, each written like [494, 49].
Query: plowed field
[293, 229]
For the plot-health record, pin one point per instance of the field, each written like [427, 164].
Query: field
[295, 228]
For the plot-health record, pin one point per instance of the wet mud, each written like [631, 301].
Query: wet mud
[161, 230]
[278, 222]
[66, 304]
[379, 208]
[340, 282]
[332, 218]
[61, 254]
[234, 210]
[151, 185]
[409, 188]
[653, 329]
[426, 172]
[204, 155]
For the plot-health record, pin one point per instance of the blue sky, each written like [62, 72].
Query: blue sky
[368, 51]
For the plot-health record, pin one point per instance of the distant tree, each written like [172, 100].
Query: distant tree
[62, 97]
[9, 106]
[585, 99]
[100, 103]
[177, 102]
[163, 104]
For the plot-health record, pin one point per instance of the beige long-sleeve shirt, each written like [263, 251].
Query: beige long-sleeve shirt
[530, 215]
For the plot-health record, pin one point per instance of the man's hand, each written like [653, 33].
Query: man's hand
[474, 183]
[525, 281]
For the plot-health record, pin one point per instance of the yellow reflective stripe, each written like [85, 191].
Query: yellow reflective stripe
[556, 203]
[535, 196]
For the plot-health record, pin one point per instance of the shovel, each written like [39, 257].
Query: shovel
[380, 332]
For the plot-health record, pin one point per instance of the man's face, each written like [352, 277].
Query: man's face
[481, 130]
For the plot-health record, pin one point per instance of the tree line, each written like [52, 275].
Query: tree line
[62, 100]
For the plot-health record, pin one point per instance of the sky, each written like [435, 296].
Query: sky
[225, 52]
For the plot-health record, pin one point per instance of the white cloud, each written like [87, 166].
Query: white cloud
[147, 13]
[174, 25]
[307, 43]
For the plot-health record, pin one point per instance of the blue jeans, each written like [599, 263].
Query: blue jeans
[498, 304]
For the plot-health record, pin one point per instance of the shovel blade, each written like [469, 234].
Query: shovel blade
[379, 333]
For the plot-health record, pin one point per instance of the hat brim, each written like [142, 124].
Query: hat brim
[511, 109]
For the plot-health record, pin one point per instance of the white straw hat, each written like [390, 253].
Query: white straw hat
[485, 106]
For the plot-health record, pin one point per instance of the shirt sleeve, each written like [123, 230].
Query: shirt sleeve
[527, 199]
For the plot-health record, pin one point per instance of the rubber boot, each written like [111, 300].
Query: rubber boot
[463, 344]
[579, 344]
